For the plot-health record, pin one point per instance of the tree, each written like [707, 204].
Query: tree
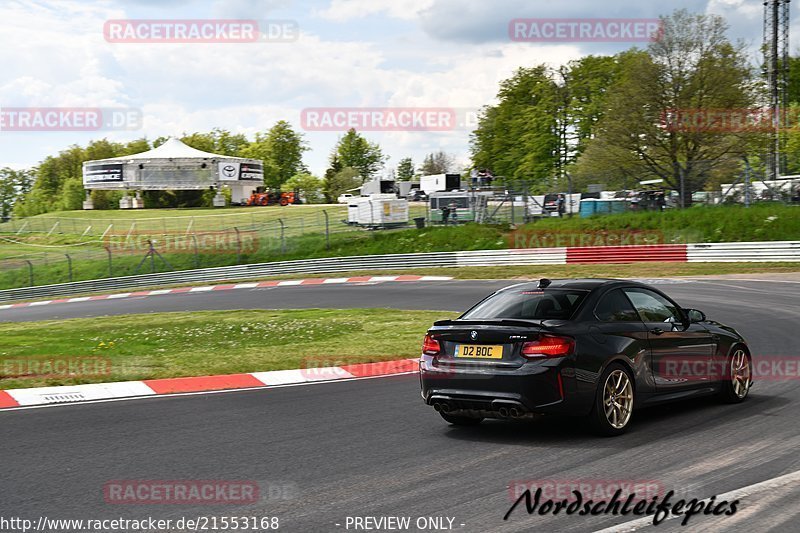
[517, 139]
[357, 152]
[281, 149]
[309, 187]
[14, 184]
[344, 181]
[405, 169]
[437, 163]
[218, 141]
[692, 67]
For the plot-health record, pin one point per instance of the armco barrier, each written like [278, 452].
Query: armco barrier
[718, 252]
[728, 252]
[628, 254]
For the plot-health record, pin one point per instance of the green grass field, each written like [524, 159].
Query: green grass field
[50, 256]
[205, 343]
[302, 218]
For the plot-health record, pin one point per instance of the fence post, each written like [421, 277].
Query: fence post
[327, 230]
[283, 241]
[69, 266]
[110, 269]
[238, 246]
[196, 253]
[30, 273]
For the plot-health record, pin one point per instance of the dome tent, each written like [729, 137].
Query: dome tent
[173, 166]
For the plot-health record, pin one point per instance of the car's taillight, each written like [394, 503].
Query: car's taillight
[548, 346]
[430, 346]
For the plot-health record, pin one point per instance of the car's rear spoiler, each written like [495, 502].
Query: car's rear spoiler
[497, 321]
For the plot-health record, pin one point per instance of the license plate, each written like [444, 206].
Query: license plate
[479, 352]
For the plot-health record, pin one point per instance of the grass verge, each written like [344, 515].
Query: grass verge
[163, 345]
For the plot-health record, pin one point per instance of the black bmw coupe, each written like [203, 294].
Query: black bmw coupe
[587, 347]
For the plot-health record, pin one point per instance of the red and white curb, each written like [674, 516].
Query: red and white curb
[232, 286]
[155, 387]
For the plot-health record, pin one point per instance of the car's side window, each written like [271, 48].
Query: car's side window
[653, 307]
[614, 306]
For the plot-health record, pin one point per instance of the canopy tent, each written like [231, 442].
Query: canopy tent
[174, 166]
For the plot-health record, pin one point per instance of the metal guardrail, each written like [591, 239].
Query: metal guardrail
[717, 252]
[755, 252]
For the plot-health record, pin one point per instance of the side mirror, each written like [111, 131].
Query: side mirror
[694, 315]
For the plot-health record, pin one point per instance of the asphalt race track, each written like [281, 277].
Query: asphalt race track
[370, 447]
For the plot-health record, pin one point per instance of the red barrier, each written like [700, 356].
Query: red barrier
[627, 254]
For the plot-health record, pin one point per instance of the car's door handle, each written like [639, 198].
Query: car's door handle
[656, 331]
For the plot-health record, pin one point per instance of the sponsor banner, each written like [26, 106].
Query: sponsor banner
[239, 171]
[103, 173]
[229, 171]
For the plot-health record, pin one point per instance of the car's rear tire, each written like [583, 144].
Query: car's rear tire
[738, 377]
[458, 420]
[613, 403]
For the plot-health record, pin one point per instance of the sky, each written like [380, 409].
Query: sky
[353, 54]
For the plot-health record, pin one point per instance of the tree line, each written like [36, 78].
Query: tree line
[56, 184]
[613, 120]
[637, 115]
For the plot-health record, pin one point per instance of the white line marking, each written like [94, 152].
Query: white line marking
[201, 289]
[335, 280]
[290, 282]
[738, 494]
[245, 286]
[122, 295]
[159, 291]
[383, 278]
[5, 307]
[225, 391]
[44, 302]
[81, 299]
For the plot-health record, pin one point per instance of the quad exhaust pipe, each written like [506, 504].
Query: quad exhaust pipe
[441, 407]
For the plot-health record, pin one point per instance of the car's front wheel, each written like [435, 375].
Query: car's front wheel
[613, 405]
[457, 420]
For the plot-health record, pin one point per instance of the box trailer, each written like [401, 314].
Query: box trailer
[378, 187]
[440, 182]
[378, 211]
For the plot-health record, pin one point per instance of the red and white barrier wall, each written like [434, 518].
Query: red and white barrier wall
[681, 253]
[154, 387]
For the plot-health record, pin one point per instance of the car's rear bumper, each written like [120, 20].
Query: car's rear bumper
[536, 387]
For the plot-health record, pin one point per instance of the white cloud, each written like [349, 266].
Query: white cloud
[342, 10]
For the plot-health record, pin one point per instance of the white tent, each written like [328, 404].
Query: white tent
[174, 166]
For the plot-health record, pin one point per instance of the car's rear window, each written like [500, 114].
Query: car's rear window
[554, 304]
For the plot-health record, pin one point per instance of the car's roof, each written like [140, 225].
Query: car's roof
[576, 283]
